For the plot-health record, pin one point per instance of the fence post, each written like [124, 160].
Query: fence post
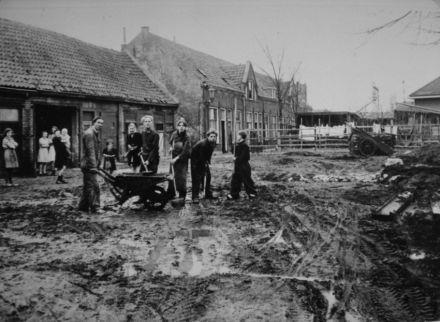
[314, 136]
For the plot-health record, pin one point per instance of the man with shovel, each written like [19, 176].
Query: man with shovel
[150, 146]
[89, 167]
[200, 160]
[180, 146]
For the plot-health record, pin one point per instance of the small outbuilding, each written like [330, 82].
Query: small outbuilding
[47, 79]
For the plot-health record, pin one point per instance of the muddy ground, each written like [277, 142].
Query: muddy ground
[306, 249]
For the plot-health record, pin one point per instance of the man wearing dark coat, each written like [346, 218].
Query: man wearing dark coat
[150, 146]
[201, 155]
[242, 170]
[90, 199]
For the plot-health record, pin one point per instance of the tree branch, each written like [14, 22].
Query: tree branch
[389, 24]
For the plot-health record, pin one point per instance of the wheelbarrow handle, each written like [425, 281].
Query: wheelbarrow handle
[106, 175]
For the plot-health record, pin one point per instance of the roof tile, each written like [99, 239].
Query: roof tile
[39, 59]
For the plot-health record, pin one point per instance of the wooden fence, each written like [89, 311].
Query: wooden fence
[407, 137]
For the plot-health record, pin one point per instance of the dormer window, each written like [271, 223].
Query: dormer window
[250, 90]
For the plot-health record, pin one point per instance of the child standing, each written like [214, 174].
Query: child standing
[242, 170]
[43, 153]
[109, 155]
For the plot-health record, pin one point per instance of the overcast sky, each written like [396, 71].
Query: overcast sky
[338, 60]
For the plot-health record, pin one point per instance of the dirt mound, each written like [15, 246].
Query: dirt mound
[49, 221]
[302, 153]
[364, 196]
[428, 154]
[280, 177]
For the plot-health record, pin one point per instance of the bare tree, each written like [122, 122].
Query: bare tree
[283, 89]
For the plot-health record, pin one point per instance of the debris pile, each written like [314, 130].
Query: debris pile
[418, 173]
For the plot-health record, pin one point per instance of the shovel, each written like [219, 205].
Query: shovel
[176, 202]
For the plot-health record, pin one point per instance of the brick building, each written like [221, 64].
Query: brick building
[47, 79]
[232, 96]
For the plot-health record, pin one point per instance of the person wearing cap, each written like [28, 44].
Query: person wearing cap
[180, 147]
[90, 197]
[201, 155]
[150, 145]
[10, 155]
[242, 169]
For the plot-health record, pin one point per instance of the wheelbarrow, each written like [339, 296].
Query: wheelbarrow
[145, 185]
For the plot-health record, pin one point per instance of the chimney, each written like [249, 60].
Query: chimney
[145, 29]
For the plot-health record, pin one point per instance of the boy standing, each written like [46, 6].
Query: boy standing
[200, 160]
[242, 170]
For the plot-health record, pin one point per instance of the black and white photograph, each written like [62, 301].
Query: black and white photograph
[220, 160]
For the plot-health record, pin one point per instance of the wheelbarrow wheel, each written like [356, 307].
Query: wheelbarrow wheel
[367, 148]
[156, 199]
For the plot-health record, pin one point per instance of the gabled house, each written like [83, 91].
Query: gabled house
[428, 95]
[213, 93]
[47, 79]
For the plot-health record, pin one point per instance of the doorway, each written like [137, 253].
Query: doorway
[63, 117]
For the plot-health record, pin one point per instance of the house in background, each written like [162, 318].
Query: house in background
[425, 110]
[428, 95]
[47, 79]
[213, 93]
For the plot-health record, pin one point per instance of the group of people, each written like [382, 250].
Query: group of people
[54, 153]
[143, 156]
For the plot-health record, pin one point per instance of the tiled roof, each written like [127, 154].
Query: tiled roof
[42, 60]
[235, 73]
[430, 89]
[191, 64]
[265, 85]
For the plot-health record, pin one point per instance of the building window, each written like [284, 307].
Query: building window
[273, 93]
[213, 119]
[266, 125]
[273, 125]
[239, 120]
[159, 120]
[229, 115]
[9, 115]
[255, 120]
[169, 121]
[250, 90]
[248, 120]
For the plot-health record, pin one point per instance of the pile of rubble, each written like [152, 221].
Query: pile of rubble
[415, 177]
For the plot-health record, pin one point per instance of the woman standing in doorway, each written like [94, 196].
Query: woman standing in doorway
[11, 161]
[43, 153]
[52, 150]
[61, 156]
